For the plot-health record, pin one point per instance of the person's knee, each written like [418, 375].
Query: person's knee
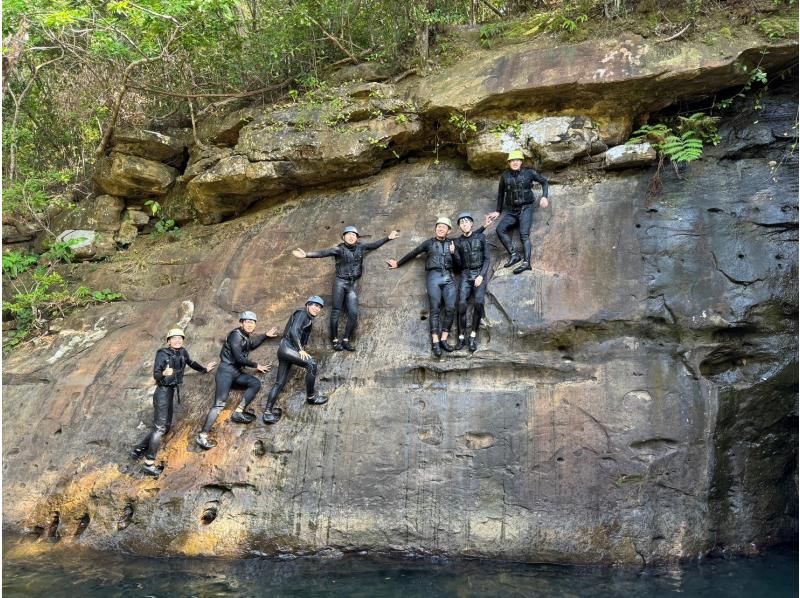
[255, 384]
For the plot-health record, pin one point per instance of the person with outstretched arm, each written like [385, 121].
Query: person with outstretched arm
[440, 282]
[168, 368]
[235, 356]
[292, 351]
[515, 201]
[349, 266]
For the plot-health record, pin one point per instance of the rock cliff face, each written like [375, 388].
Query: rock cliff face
[633, 400]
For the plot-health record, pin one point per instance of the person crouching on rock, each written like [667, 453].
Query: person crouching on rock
[234, 357]
[349, 266]
[515, 196]
[291, 351]
[168, 372]
[440, 282]
[473, 258]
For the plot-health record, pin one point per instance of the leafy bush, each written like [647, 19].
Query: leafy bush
[16, 262]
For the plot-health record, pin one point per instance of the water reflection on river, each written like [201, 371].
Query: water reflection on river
[43, 571]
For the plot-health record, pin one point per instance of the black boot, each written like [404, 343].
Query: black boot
[204, 442]
[437, 349]
[522, 267]
[243, 417]
[347, 346]
[514, 258]
[152, 469]
[337, 346]
[272, 416]
[137, 453]
[473, 344]
[446, 346]
[317, 399]
[461, 343]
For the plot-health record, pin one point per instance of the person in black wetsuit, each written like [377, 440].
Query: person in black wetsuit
[349, 266]
[473, 258]
[235, 356]
[515, 196]
[440, 283]
[291, 351]
[168, 369]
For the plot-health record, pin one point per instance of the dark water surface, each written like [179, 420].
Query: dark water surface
[55, 573]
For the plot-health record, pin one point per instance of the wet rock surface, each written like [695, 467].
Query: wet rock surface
[633, 398]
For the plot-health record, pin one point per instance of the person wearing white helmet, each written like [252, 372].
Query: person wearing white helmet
[292, 351]
[515, 196]
[168, 369]
[349, 266]
[235, 356]
[440, 282]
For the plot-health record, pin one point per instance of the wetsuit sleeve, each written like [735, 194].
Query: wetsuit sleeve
[257, 340]
[332, 252]
[481, 229]
[234, 342]
[161, 362]
[542, 181]
[376, 244]
[487, 258]
[294, 330]
[423, 247]
[501, 193]
[193, 364]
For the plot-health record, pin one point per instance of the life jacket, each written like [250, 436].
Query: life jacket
[472, 249]
[518, 190]
[439, 257]
[239, 337]
[349, 262]
[177, 361]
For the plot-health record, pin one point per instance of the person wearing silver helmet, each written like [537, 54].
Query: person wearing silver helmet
[440, 282]
[473, 258]
[292, 351]
[349, 266]
[235, 356]
[168, 366]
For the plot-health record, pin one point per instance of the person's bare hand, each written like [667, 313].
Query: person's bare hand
[478, 281]
[211, 365]
[543, 203]
[263, 368]
[272, 332]
[394, 234]
[304, 356]
[298, 253]
[452, 247]
[392, 264]
[167, 371]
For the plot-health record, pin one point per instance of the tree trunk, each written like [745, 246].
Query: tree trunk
[12, 51]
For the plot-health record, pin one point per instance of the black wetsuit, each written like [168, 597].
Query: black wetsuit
[163, 397]
[234, 357]
[515, 196]
[349, 267]
[440, 281]
[473, 258]
[295, 337]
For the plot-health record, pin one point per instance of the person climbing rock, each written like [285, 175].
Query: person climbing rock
[515, 200]
[473, 258]
[168, 368]
[440, 282]
[292, 351]
[349, 266]
[234, 357]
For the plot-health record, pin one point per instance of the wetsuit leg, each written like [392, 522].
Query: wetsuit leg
[284, 367]
[465, 286]
[162, 414]
[507, 222]
[479, 306]
[525, 222]
[292, 356]
[337, 301]
[223, 380]
[351, 305]
[434, 299]
[252, 384]
[449, 294]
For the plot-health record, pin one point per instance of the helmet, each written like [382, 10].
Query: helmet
[175, 332]
[248, 315]
[464, 215]
[315, 299]
[515, 155]
[444, 220]
[350, 229]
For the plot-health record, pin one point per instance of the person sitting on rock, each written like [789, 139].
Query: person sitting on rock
[473, 258]
[292, 351]
[234, 357]
[515, 196]
[349, 266]
[168, 369]
[440, 282]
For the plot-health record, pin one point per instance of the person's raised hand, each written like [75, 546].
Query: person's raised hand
[272, 332]
[392, 264]
[298, 252]
[394, 234]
